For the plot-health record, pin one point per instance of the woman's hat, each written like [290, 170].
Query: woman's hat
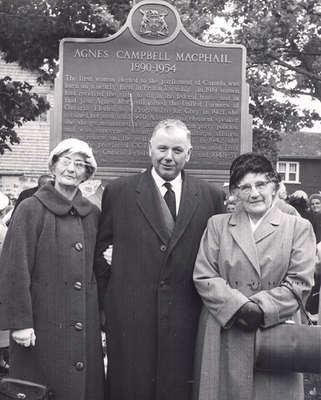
[74, 146]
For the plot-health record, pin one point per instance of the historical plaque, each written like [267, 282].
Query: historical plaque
[113, 91]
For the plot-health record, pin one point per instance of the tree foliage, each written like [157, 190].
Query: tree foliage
[283, 42]
[282, 38]
[17, 105]
[30, 32]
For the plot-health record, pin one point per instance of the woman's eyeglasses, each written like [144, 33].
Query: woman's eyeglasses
[79, 165]
[247, 187]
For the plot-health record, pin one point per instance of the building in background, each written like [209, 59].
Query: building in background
[21, 167]
[300, 161]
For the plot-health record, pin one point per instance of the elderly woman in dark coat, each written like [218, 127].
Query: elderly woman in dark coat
[248, 265]
[48, 292]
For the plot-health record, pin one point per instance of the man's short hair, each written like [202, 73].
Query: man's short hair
[172, 123]
[43, 179]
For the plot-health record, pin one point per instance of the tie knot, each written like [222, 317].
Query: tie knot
[168, 186]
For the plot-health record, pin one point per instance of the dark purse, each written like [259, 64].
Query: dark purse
[289, 347]
[11, 388]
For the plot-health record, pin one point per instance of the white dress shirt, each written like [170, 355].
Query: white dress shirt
[176, 186]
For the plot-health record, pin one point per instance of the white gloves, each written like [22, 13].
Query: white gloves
[24, 337]
[108, 254]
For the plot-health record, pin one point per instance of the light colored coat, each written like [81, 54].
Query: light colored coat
[233, 265]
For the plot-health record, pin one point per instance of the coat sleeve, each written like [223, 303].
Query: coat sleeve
[279, 303]
[221, 300]
[16, 266]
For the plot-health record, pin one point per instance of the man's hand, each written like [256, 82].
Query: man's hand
[249, 317]
[108, 254]
[24, 337]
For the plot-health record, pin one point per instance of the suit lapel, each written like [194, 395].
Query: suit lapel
[148, 202]
[188, 204]
[241, 231]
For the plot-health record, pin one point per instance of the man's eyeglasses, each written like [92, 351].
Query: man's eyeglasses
[247, 187]
[79, 165]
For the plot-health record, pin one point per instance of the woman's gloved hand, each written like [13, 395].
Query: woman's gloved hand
[249, 317]
[24, 337]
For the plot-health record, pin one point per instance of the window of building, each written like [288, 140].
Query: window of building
[289, 171]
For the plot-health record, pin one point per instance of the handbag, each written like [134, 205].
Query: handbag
[289, 347]
[11, 388]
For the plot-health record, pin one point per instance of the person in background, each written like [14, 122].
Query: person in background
[281, 203]
[42, 180]
[313, 302]
[154, 220]
[299, 200]
[96, 197]
[315, 203]
[247, 267]
[48, 291]
[4, 335]
[230, 204]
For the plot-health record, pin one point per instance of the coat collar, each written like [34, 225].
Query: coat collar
[240, 228]
[60, 205]
[147, 200]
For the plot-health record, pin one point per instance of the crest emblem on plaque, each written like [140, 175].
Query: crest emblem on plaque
[153, 23]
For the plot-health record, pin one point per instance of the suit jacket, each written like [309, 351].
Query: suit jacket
[233, 265]
[151, 305]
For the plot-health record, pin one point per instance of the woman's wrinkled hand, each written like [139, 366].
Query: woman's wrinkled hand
[24, 337]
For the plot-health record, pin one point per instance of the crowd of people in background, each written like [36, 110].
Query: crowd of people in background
[183, 276]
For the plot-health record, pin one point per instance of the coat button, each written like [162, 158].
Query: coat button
[255, 286]
[78, 326]
[163, 248]
[72, 212]
[79, 366]
[77, 285]
[78, 246]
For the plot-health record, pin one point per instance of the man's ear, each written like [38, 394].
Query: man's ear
[189, 153]
[149, 148]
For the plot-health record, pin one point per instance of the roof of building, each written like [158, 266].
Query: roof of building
[300, 145]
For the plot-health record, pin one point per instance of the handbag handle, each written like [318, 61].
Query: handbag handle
[301, 305]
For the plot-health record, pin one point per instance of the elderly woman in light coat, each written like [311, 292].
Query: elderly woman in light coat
[48, 291]
[248, 265]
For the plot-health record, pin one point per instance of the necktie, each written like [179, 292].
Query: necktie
[169, 197]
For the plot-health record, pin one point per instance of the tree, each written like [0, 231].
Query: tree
[282, 40]
[17, 105]
[29, 35]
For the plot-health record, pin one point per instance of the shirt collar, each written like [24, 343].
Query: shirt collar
[176, 183]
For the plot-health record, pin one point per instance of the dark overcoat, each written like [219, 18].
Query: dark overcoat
[232, 266]
[151, 305]
[47, 283]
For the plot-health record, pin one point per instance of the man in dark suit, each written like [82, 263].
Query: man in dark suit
[151, 306]
[30, 191]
